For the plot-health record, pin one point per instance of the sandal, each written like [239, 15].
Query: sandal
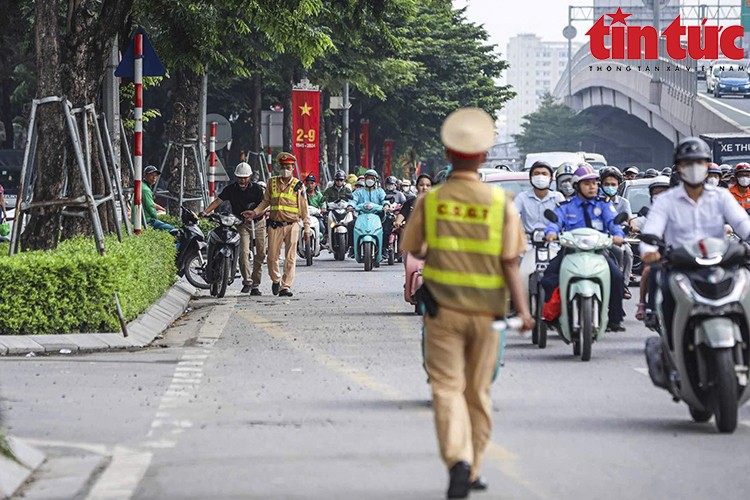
[640, 314]
[626, 294]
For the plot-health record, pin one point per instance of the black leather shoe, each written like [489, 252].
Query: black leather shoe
[285, 293]
[245, 289]
[459, 485]
[479, 484]
[255, 292]
[275, 288]
[615, 327]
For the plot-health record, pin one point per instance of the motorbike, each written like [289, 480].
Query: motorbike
[223, 253]
[394, 244]
[311, 248]
[413, 282]
[190, 259]
[703, 358]
[338, 237]
[533, 265]
[584, 286]
[368, 236]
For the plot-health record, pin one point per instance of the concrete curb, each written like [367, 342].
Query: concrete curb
[13, 474]
[141, 331]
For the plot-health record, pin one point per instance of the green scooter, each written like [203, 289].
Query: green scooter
[584, 286]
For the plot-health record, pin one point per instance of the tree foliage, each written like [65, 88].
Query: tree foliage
[553, 127]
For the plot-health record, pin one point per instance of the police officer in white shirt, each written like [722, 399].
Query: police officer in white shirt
[531, 204]
[690, 211]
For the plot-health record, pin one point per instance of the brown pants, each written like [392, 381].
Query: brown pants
[461, 356]
[288, 235]
[246, 239]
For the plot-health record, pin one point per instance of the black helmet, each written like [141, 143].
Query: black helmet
[610, 172]
[666, 171]
[391, 180]
[542, 164]
[310, 177]
[339, 175]
[692, 148]
[651, 173]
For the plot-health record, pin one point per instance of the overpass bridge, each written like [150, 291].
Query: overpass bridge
[640, 108]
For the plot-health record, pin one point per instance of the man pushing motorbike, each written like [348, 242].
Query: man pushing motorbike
[587, 209]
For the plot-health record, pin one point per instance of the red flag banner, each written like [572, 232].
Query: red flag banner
[306, 128]
[364, 143]
[387, 157]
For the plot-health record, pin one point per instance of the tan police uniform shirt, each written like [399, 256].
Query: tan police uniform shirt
[280, 215]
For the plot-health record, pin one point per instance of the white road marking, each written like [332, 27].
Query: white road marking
[123, 475]
[642, 371]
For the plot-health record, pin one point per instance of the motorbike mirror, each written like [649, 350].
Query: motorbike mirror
[651, 239]
[643, 212]
[621, 218]
[550, 215]
[537, 236]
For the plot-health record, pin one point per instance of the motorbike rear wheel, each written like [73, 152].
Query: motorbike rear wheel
[225, 271]
[587, 327]
[391, 254]
[308, 253]
[340, 246]
[195, 267]
[540, 326]
[533, 299]
[724, 389]
[367, 255]
[699, 415]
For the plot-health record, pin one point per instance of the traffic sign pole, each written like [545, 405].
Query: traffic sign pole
[138, 135]
[212, 164]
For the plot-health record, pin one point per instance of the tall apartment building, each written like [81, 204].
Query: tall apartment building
[535, 68]
[640, 14]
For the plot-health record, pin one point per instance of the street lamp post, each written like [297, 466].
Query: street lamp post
[570, 32]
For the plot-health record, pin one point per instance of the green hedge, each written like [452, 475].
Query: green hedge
[71, 289]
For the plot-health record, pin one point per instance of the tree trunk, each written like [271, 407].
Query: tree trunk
[183, 128]
[43, 229]
[256, 124]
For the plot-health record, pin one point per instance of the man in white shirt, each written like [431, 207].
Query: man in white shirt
[690, 212]
[531, 204]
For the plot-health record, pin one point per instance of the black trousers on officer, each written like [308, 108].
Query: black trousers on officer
[551, 280]
[659, 277]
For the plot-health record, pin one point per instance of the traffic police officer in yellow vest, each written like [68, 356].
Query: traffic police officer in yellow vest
[471, 236]
[285, 194]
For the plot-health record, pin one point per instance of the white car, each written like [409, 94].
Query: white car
[712, 75]
[554, 158]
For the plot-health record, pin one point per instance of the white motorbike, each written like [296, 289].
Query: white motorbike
[338, 230]
[310, 248]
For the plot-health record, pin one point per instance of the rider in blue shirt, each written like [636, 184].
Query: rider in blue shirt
[371, 193]
[586, 209]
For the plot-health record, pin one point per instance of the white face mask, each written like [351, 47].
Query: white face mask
[566, 188]
[743, 181]
[712, 181]
[540, 181]
[286, 173]
[369, 183]
[694, 173]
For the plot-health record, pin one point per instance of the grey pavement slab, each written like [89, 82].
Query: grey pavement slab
[14, 473]
[113, 340]
[65, 476]
[20, 344]
[55, 343]
[89, 342]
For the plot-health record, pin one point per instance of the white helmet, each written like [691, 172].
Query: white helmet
[243, 170]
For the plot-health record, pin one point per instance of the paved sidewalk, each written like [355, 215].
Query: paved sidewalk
[141, 331]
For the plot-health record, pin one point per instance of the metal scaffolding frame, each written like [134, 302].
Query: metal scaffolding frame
[182, 196]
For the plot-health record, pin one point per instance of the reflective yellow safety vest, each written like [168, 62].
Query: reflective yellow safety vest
[284, 206]
[463, 267]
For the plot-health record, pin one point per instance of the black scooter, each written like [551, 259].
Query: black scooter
[190, 260]
[223, 253]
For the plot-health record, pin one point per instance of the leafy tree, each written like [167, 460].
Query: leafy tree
[553, 127]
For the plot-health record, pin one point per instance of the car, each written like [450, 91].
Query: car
[712, 75]
[554, 158]
[732, 82]
[513, 182]
[595, 160]
[636, 192]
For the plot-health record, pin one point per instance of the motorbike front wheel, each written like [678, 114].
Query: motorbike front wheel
[195, 269]
[367, 255]
[308, 253]
[533, 299]
[340, 246]
[391, 254]
[540, 327]
[699, 415]
[587, 327]
[724, 389]
[225, 271]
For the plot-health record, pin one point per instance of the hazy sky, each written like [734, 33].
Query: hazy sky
[506, 18]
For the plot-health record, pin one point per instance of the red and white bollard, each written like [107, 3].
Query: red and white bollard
[138, 135]
[212, 164]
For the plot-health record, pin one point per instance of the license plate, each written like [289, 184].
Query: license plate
[735, 89]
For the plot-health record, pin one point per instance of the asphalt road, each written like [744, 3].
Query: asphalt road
[735, 107]
[323, 396]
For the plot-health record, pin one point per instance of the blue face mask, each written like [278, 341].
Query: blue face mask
[610, 190]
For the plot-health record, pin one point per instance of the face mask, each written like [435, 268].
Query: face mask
[712, 181]
[610, 190]
[540, 181]
[743, 181]
[567, 188]
[695, 174]
[369, 183]
[286, 173]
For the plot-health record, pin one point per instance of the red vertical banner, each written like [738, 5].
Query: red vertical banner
[387, 157]
[364, 143]
[306, 130]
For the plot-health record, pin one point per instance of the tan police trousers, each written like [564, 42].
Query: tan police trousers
[288, 235]
[461, 355]
[249, 277]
